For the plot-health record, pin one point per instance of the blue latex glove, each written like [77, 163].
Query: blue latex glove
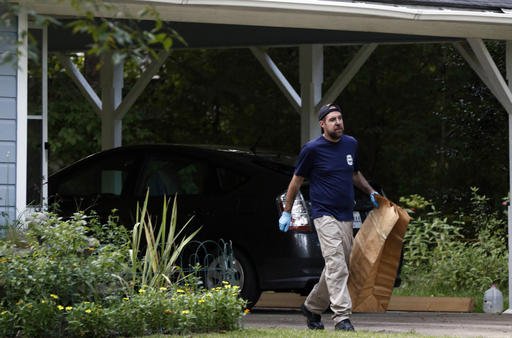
[284, 221]
[374, 201]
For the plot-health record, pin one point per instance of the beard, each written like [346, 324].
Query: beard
[335, 134]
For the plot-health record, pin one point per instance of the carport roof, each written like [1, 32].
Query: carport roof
[238, 23]
[469, 4]
[207, 35]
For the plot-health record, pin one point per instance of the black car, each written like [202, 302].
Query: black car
[231, 194]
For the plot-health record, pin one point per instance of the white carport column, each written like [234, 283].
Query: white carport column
[311, 64]
[508, 60]
[112, 107]
[311, 78]
[111, 97]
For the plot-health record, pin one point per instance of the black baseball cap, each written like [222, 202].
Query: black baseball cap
[328, 108]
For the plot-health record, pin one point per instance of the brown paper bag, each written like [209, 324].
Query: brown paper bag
[375, 257]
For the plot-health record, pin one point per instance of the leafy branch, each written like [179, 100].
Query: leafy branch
[137, 37]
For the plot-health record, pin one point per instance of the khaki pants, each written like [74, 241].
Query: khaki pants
[336, 243]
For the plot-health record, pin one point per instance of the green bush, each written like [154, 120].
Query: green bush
[88, 319]
[59, 280]
[441, 257]
[61, 259]
[38, 318]
[7, 321]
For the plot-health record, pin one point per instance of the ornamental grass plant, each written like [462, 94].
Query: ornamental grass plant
[78, 277]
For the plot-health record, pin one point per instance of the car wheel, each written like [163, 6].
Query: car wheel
[247, 279]
[240, 273]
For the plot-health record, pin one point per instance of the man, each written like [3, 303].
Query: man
[330, 164]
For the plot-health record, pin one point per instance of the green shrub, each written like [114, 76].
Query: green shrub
[177, 311]
[7, 321]
[441, 257]
[127, 318]
[88, 319]
[58, 280]
[43, 318]
[61, 259]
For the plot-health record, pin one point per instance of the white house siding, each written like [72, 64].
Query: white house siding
[8, 71]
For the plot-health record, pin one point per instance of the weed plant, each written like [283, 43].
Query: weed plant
[59, 280]
[443, 258]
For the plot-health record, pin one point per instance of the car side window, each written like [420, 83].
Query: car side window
[107, 176]
[229, 179]
[168, 176]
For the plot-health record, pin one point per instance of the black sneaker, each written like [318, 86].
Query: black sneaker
[314, 320]
[344, 325]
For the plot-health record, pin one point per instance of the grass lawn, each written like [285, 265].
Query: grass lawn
[292, 333]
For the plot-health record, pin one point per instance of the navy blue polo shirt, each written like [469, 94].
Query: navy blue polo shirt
[329, 166]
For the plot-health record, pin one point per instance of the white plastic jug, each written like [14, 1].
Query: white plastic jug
[493, 300]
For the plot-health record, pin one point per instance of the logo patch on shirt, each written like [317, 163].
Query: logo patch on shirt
[350, 161]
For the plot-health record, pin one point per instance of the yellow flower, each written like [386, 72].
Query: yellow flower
[54, 296]
[163, 288]
[60, 307]
[69, 308]
[227, 286]
[43, 301]
[200, 301]
[141, 291]
[247, 311]
[180, 291]
[88, 311]
[225, 283]
[185, 312]
[126, 299]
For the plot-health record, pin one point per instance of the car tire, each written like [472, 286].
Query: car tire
[247, 279]
[239, 272]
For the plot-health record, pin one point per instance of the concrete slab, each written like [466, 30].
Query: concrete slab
[285, 300]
